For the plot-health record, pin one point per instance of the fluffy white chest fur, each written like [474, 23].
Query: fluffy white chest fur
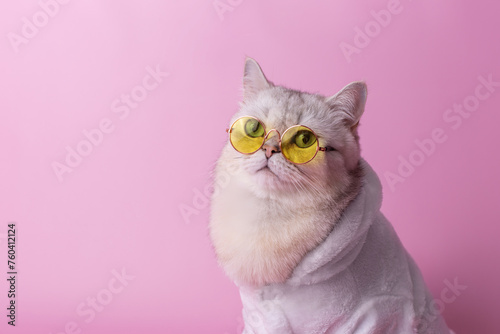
[261, 240]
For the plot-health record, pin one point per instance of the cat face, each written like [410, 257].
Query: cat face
[333, 119]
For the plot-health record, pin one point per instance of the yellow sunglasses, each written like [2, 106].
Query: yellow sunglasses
[299, 144]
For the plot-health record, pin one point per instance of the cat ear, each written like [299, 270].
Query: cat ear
[254, 79]
[350, 101]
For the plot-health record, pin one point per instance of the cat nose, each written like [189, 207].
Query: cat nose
[270, 149]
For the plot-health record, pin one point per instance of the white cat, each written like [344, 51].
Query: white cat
[298, 226]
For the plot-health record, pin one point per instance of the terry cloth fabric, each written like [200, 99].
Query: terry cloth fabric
[359, 280]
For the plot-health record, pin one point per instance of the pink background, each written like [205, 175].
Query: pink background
[120, 207]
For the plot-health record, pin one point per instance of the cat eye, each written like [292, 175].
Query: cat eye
[299, 144]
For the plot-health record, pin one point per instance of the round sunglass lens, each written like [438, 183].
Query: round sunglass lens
[299, 144]
[247, 135]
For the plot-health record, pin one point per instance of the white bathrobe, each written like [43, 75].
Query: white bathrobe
[359, 280]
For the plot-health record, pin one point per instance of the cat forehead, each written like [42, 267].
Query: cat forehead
[279, 107]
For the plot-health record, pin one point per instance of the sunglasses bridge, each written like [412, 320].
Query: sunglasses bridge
[267, 137]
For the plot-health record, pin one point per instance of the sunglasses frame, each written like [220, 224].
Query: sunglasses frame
[318, 148]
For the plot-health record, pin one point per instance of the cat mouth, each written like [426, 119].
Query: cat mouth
[267, 171]
[265, 168]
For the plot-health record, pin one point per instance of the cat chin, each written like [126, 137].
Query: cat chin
[267, 185]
